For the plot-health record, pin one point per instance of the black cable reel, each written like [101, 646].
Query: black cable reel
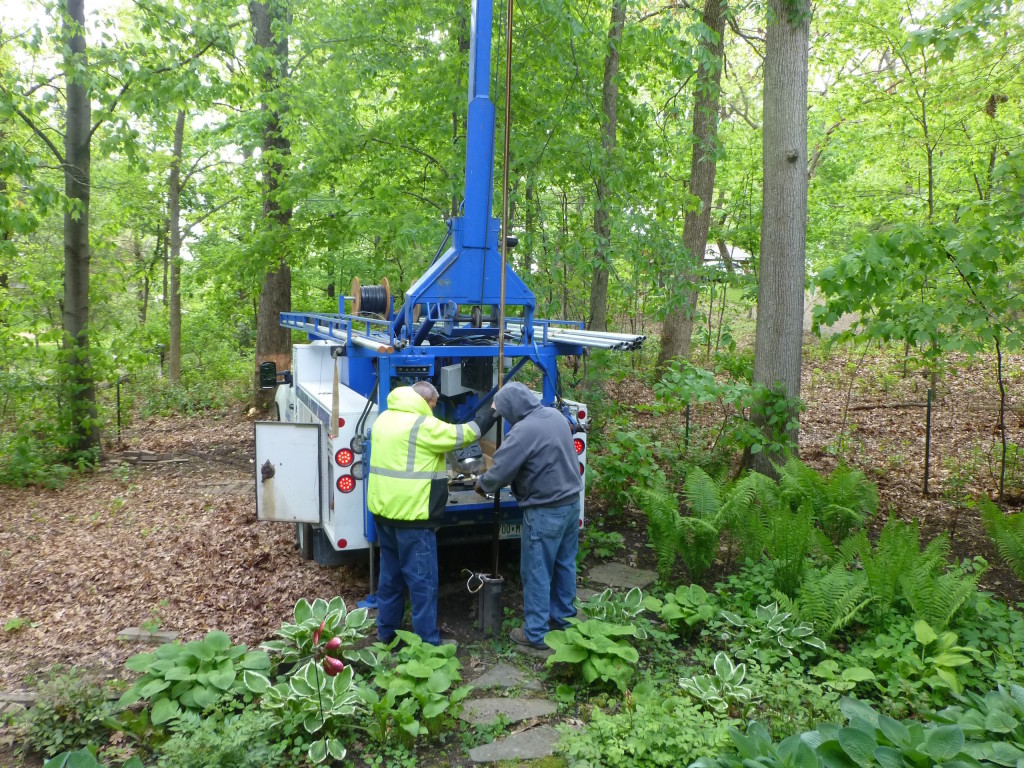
[371, 299]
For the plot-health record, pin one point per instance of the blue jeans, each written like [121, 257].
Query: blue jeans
[408, 559]
[548, 567]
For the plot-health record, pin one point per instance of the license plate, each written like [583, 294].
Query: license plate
[510, 530]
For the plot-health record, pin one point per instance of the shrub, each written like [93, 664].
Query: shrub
[69, 713]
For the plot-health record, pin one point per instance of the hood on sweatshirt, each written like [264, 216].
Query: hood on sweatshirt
[409, 400]
[514, 402]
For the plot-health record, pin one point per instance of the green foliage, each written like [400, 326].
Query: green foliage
[622, 461]
[85, 758]
[771, 628]
[417, 680]
[614, 607]
[324, 704]
[830, 599]
[597, 649]
[790, 538]
[790, 699]
[723, 691]
[685, 609]
[246, 739]
[31, 457]
[842, 502]
[913, 665]
[742, 407]
[70, 712]
[315, 625]
[897, 568]
[653, 730]
[1007, 533]
[192, 677]
[603, 544]
[993, 724]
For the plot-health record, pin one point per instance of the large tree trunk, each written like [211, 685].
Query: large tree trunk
[602, 219]
[678, 328]
[273, 343]
[174, 218]
[780, 294]
[84, 433]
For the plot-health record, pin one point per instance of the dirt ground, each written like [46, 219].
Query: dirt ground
[173, 542]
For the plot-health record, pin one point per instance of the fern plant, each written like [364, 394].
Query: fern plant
[692, 537]
[829, 599]
[841, 502]
[1007, 533]
[789, 540]
[662, 509]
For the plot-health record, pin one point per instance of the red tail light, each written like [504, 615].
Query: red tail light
[347, 483]
[581, 467]
[341, 422]
[581, 414]
[342, 543]
[344, 457]
[579, 444]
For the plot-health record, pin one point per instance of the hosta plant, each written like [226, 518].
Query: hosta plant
[193, 676]
[770, 627]
[316, 626]
[598, 649]
[421, 673]
[685, 609]
[723, 691]
[325, 704]
[612, 606]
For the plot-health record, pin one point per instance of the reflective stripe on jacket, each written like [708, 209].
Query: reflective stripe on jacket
[408, 482]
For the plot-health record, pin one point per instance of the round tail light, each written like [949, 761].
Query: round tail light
[579, 445]
[581, 414]
[344, 457]
[347, 483]
[581, 467]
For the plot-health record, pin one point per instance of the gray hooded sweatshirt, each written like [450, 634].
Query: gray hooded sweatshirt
[537, 455]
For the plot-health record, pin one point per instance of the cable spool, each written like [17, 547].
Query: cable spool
[371, 299]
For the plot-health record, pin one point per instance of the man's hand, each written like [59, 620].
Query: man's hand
[480, 489]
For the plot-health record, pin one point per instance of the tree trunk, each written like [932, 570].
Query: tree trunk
[84, 433]
[273, 343]
[780, 294]
[602, 220]
[678, 328]
[174, 218]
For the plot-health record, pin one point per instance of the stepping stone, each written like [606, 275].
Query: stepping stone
[486, 710]
[505, 677]
[137, 635]
[622, 576]
[24, 700]
[529, 745]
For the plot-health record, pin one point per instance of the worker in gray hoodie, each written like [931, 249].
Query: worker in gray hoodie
[538, 458]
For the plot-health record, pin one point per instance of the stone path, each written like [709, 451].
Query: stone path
[537, 739]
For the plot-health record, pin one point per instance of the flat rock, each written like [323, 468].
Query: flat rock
[16, 697]
[532, 744]
[486, 710]
[137, 635]
[621, 576]
[505, 677]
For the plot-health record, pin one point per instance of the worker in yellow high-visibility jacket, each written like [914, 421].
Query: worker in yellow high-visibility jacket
[407, 494]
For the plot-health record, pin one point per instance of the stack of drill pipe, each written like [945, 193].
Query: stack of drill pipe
[594, 339]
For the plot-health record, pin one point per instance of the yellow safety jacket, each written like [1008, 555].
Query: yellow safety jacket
[408, 484]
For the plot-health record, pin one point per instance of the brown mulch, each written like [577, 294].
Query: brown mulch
[172, 543]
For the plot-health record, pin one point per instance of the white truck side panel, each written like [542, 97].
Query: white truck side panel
[288, 472]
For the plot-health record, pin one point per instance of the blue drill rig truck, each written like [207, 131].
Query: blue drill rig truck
[311, 465]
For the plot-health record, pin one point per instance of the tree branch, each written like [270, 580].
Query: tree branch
[38, 132]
